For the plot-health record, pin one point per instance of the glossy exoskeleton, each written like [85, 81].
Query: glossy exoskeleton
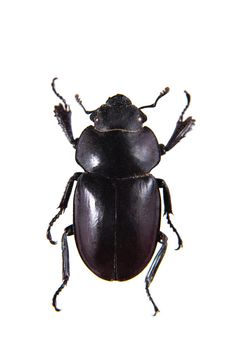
[117, 205]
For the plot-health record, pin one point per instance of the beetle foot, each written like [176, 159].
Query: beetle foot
[49, 237]
[157, 310]
[150, 297]
[180, 242]
[51, 224]
[54, 301]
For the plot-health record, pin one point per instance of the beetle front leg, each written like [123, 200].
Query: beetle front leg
[168, 209]
[65, 263]
[181, 129]
[63, 115]
[63, 204]
[154, 267]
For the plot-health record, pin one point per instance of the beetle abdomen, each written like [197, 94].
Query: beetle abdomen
[118, 153]
[116, 224]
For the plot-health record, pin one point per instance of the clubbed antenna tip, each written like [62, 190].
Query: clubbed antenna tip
[78, 99]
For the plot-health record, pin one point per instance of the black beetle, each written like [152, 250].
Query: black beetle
[117, 205]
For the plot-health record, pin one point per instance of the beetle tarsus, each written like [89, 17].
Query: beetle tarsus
[54, 301]
[58, 95]
[150, 297]
[65, 264]
[154, 267]
[182, 127]
[63, 115]
[49, 236]
[180, 242]
[188, 96]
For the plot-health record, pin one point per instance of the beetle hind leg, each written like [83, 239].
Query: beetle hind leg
[65, 264]
[154, 267]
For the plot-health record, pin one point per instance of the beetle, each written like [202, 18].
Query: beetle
[117, 203]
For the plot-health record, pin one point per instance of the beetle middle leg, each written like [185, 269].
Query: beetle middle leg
[168, 209]
[154, 267]
[63, 204]
[65, 263]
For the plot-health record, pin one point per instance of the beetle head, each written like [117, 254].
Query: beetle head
[118, 113]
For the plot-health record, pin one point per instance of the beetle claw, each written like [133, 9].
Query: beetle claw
[180, 245]
[56, 308]
[49, 237]
[53, 242]
[156, 312]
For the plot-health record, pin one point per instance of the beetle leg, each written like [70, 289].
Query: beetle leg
[63, 204]
[181, 129]
[65, 263]
[168, 209]
[154, 267]
[63, 115]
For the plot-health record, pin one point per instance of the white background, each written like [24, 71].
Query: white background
[98, 49]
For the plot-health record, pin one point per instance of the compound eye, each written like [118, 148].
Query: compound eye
[98, 116]
[142, 117]
[93, 116]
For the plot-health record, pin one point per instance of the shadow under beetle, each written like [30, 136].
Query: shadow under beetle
[117, 205]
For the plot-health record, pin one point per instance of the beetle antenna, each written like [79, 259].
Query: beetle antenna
[187, 105]
[58, 95]
[78, 99]
[162, 93]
